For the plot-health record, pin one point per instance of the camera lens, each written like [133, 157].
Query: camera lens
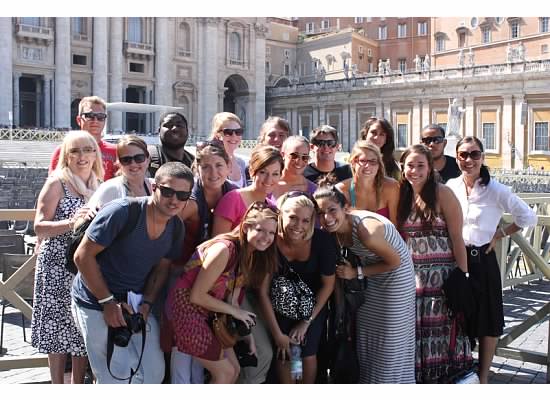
[121, 336]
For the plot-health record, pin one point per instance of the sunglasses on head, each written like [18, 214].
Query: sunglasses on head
[82, 150]
[88, 116]
[231, 131]
[296, 156]
[262, 205]
[298, 193]
[138, 159]
[320, 143]
[474, 155]
[435, 139]
[167, 192]
[216, 143]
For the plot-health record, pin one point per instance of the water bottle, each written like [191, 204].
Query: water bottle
[295, 362]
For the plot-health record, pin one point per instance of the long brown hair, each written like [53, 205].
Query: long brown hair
[388, 148]
[428, 212]
[361, 147]
[253, 264]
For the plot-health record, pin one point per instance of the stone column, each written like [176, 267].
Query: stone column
[416, 122]
[468, 125]
[259, 86]
[519, 134]
[62, 90]
[379, 109]
[163, 66]
[208, 65]
[100, 62]
[6, 71]
[16, 109]
[387, 112]
[353, 129]
[507, 131]
[344, 129]
[294, 121]
[315, 117]
[322, 116]
[426, 117]
[47, 102]
[117, 65]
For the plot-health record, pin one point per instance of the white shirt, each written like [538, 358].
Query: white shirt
[483, 210]
[109, 190]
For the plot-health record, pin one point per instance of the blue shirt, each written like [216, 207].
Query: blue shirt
[125, 263]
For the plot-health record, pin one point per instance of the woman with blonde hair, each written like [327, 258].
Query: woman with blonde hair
[60, 203]
[217, 273]
[228, 128]
[369, 188]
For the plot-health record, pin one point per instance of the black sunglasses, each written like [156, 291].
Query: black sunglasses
[328, 142]
[138, 159]
[434, 139]
[262, 205]
[167, 192]
[296, 156]
[93, 115]
[230, 131]
[474, 155]
[215, 142]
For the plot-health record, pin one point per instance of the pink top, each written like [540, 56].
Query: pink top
[385, 212]
[231, 207]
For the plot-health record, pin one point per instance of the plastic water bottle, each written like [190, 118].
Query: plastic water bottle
[295, 362]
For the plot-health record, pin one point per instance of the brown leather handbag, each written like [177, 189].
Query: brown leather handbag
[223, 327]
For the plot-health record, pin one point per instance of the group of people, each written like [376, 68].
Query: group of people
[175, 241]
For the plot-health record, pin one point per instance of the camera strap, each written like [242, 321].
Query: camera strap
[110, 348]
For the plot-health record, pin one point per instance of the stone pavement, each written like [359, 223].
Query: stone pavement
[519, 303]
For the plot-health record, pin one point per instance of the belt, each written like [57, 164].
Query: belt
[475, 251]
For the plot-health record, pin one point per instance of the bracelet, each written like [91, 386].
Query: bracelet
[106, 299]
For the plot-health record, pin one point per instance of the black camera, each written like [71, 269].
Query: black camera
[240, 327]
[243, 356]
[134, 324]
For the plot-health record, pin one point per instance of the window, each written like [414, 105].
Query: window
[33, 21]
[310, 27]
[234, 47]
[403, 65]
[137, 67]
[401, 30]
[286, 53]
[325, 24]
[462, 39]
[267, 67]
[382, 32]
[488, 136]
[135, 30]
[184, 40]
[369, 52]
[302, 69]
[422, 28]
[358, 20]
[286, 69]
[544, 24]
[78, 28]
[486, 35]
[439, 43]
[543, 49]
[541, 136]
[514, 29]
[79, 59]
[402, 135]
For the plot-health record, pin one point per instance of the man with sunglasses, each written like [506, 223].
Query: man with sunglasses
[173, 134]
[127, 271]
[433, 137]
[91, 118]
[324, 144]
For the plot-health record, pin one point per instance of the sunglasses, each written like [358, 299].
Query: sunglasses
[88, 116]
[138, 159]
[167, 192]
[296, 156]
[82, 150]
[203, 144]
[435, 139]
[262, 205]
[230, 131]
[474, 155]
[364, 163]
[298, 193]
[328, 143]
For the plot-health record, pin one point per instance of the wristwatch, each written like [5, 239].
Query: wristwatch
[309, 320]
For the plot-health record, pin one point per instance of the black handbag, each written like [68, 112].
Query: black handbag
[290, 296]
[354, 295]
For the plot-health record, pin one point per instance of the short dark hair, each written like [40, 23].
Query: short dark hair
[435, 127]
[174, 169]
[167, 113]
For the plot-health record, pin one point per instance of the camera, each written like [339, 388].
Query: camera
[134, 324]
[243, 356]
[240, 327]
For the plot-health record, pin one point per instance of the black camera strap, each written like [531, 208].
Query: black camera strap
[110, 348]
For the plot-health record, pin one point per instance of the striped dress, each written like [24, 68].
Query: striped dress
[386, 320]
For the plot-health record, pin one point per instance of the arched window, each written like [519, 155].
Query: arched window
[184, 40]
[235, 47]
[135, 30]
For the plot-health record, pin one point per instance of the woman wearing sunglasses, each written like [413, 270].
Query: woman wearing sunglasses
[227, 128]
[217, 273]
[379, 132]
[369, 188]
[311, 253]
[295, 152]
[132, 162]
[483, 201]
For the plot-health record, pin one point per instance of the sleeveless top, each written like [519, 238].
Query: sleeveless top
[385, 212]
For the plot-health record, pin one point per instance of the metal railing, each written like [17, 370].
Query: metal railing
[33, 134]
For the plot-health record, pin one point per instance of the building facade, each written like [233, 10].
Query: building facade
[205, 65]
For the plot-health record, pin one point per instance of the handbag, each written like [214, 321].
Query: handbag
[290, 296]
[224, 330]
[354, 295]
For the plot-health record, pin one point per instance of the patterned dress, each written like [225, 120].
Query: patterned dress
[53, 328]
[442, 347]
[385, 321]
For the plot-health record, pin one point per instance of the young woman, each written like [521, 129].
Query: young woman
[228, 128]
[379, 132]
[369, 189]
[60, 203]
[386, 319]
[132, 162]
[430, 220]
[266, 164]
[274, 132]
[483, 201]
[312, 255]
[295, 152]
[219, 269]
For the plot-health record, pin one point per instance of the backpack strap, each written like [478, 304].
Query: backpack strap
[134, 212]
[156, 159]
